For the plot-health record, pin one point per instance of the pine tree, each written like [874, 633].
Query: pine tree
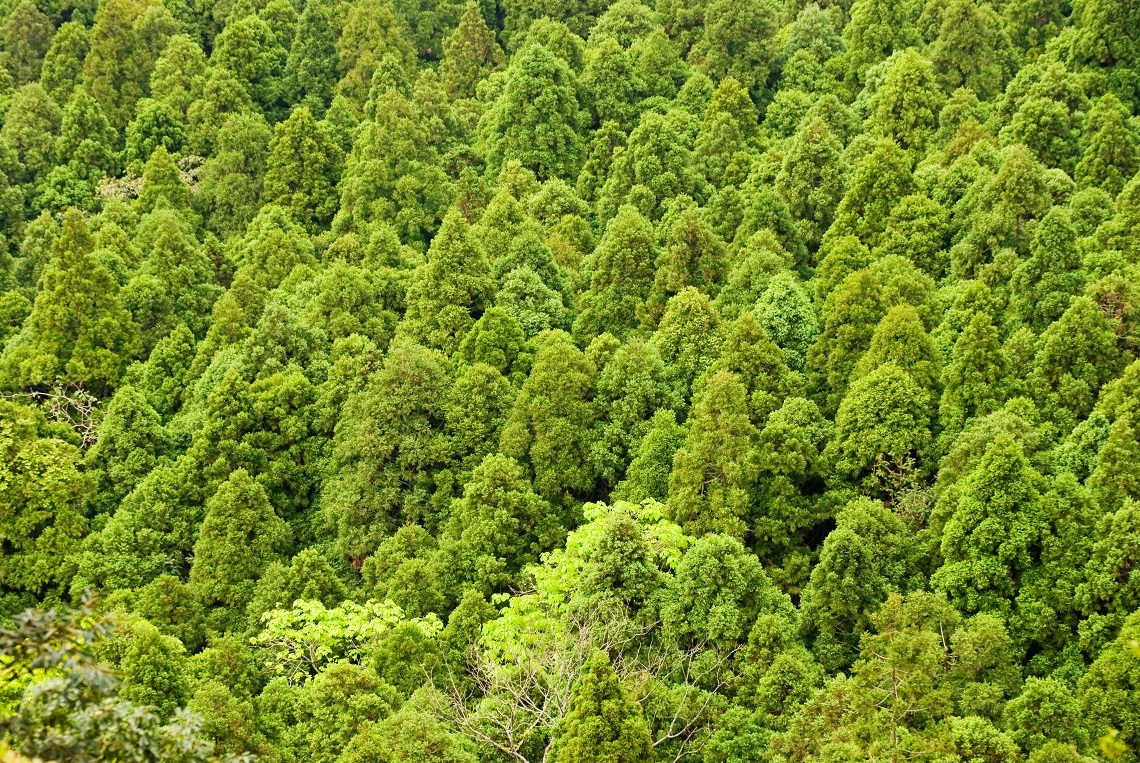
[604, 724]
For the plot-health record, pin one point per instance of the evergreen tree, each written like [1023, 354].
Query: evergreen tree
[551, 427]
[689, 338]
[240, 535]
[179, 74]
[41, 502]
[1043, 285]
[77, 333]
[498, 525]
[86, 140]
[127, 38]
[312, 69]
[25, 36]
[450, 291]
[883, 421]
[974, 380]
[302, 170]
[535, 119]
[63, 62]
[470, 54]
[812, 179]
[31, 124]
[711, 485]
[904, 106]
[1112, 154]
[620, 273]
[988, 542]
[603, 723]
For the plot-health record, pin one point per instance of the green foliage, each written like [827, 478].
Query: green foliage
[603, 722]
[739, 381]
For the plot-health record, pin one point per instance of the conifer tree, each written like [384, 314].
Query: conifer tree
[1112, 152]
[41, 498]
[901, 339]
[710, 488]
[689, 338]
[470, 54]
[240, 535]
[604, 724]
[179, 73]
[25, 36]
[62, 67]
[788, 318]
[86, 140]
[621, 274]
[1043, 285]
[498, 525]
[812, 179]
[974, 380]
[371, 32]
[551, 427]
[127, 38]
[77, 333]
[302, 170]
[31, 124]
[905, 105]
[312, 69]
[987, 544]
[884, 420]
[451, 290]
[535, 119]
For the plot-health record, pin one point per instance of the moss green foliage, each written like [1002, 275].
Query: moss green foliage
[522, 381]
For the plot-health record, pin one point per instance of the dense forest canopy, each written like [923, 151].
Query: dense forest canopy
[520, 381]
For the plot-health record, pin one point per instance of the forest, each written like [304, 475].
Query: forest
[570, 381]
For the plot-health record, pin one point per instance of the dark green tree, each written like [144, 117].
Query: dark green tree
[302, 170]
[603, 723]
